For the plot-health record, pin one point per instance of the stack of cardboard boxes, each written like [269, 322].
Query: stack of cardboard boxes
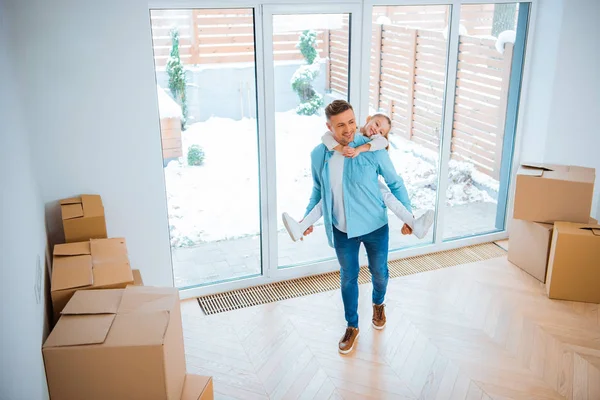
[114, 338]
[94, 264]
[552, 236]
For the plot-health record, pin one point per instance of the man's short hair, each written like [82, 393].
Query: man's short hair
[337, 107]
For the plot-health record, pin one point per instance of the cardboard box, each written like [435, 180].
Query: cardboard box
[574, 263]
[549, 193]
[83, 218]
[137, 277]
[529, 247]
[117, 344]
[197, 388]
[95, 264]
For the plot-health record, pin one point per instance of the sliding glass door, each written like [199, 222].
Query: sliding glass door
[206, 88]
[308, 53]
[309, 73]
[242, 92]
[488, 76]
[407, 75]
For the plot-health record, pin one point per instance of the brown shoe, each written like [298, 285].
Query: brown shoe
[379, 316]
[348, 341]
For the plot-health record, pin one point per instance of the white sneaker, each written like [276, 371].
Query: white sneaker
[423, 223]
[293, 228]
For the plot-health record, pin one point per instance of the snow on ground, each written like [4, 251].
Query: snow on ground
[220, 199]
[418, 167]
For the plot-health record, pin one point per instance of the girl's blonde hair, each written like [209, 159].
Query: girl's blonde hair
[389, 120]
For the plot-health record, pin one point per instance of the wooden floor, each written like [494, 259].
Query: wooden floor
[479, 331]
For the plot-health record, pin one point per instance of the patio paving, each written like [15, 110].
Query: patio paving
[218, 261]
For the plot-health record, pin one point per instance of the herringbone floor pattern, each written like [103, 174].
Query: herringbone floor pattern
[478, 331]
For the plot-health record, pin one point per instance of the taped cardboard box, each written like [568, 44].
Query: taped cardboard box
[117, 344]
[137, 277]
[83, 218]
[197, 388]
[549, 193]
[529, 246]
[574, 263]
[95, 264]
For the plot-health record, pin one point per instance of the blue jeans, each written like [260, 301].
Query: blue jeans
[376, 243]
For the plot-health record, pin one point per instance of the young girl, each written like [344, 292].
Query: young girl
[377, 129]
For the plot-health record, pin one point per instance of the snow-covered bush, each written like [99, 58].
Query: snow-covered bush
[310, 100]
[195, 155]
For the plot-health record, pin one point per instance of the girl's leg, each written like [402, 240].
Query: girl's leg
[396, 206]
[420, 226]
[312, 217]
[296, 229]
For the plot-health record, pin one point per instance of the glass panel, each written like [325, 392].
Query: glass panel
[310, 54]
[206, 84]
[407, 82]
[474, 199]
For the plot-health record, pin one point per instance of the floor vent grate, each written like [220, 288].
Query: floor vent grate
[242, 298]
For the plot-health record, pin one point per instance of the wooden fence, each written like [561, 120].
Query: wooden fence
[407, 81]
[476, 18]
[480, 103]
[219, 36]
[408, 66]
[337, 67]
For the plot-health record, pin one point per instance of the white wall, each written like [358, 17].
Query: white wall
[22, 242]
[89, 73]
[542, 54]
[563, 101]
[574, 125]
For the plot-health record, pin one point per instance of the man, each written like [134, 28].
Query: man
[354, 213]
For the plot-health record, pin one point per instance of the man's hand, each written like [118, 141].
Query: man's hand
[406, 230]
[308, 231]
